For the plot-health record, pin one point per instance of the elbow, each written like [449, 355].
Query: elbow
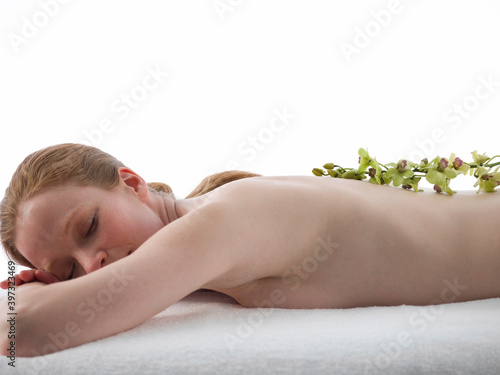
[15, 341]
[18, 329]
[25, 330]
[7, 332]
[8, 349]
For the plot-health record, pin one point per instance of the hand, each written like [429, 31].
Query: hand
[28, 276]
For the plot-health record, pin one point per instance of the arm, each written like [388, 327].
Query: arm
[177, 260]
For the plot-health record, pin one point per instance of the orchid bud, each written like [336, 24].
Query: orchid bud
[401, 165]
[349, 174]
[332, 173]
[457, 163]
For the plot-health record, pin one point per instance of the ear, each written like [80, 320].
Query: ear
[132, 180]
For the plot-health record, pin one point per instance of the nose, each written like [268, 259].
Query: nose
[95, 261]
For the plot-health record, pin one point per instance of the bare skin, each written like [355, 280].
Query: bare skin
[288, 242]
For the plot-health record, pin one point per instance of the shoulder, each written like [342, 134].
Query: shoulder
[271, 192]
[269, 184]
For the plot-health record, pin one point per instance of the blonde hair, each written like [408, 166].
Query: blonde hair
[80, 164]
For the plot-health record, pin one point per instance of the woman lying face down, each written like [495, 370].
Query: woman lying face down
[83, 221]
[56, 202]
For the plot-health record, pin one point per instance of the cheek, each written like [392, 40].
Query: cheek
[133, 228]
[145, 227]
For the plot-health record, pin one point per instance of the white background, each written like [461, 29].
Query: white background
[411, 63]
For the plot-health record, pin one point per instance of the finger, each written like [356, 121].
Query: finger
[46, 277]
[5, 284]
[18, 280]
[27, 275]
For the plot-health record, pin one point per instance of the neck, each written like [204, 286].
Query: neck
[169, 209]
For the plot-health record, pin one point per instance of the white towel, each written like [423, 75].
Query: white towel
[209, 333]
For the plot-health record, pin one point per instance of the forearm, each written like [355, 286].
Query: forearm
[171, 264]
[67, 314]
[11, 312]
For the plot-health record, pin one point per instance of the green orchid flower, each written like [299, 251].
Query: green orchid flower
[479, 159]
[385, 180]
[487, 181]
[411, 182]
[423, 165]
[375, 175]
[365, 161]
[457, 164]
[439, 173]
[398, 172]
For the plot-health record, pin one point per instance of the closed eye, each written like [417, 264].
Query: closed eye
[72, 274]
[92, 227]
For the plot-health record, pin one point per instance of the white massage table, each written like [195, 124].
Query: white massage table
[209, 333]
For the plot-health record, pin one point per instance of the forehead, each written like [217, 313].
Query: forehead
[50, 202]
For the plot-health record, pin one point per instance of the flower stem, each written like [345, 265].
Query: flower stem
[484, 165]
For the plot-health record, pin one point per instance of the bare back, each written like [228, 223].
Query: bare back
[309, 242]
